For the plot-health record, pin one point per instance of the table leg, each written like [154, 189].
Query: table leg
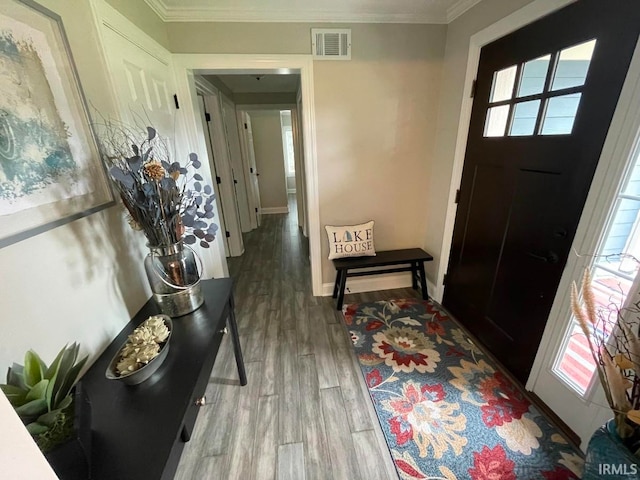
[423, 282]
[343, 284]
[235, 337]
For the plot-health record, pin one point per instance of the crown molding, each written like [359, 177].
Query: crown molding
[159, 8]
[458, 8]
[213, 14]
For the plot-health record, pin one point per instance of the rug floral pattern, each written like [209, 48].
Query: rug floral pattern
[446, 411]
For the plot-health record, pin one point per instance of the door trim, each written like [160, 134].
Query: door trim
[235, 241]
[184, 67]
[510, 23]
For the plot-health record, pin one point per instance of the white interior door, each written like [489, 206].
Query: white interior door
[224, 180]
[214, 172]
[301, 193]
[563, 373]
[233, 142]
[144, 85]
[251, 168]
[246, 168]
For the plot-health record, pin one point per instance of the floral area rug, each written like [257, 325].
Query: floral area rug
[446, 410]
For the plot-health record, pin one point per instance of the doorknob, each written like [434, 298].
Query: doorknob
[550, 257]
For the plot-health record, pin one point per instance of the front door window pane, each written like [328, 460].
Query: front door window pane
[534, 74]
[632, 184]
[560, 114]
[573, 65]
[496, 121]
[524, 118]
[503, 81]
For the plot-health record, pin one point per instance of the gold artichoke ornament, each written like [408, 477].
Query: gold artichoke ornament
[143, 345]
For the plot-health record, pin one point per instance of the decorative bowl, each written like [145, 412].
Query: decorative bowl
[143, 373]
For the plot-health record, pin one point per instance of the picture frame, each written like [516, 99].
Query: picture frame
[51, 172]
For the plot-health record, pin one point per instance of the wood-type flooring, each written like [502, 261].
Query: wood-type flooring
[305, 413]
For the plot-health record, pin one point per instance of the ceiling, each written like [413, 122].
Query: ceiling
[346, 11]
[261, 83]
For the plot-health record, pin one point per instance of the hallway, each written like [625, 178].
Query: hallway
[305, 413]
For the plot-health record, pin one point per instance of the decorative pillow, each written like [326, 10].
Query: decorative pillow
[351, 241]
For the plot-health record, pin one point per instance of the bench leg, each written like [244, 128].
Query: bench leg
[337, 285]
[423, 282]
[343, 284]
[414, 275]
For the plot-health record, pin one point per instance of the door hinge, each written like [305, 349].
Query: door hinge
[207, 116]
[250, 170]
[175, 99]
[245, 127]
[457, 200]
[473, 89]
[227, 234]
[218, 180]
[256, 209]
[445, 278]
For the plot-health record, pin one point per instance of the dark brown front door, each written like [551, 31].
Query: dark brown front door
[545, 96]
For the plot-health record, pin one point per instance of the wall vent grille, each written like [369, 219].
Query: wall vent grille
[331, 44]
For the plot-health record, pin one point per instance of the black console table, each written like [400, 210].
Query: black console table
[139, 431]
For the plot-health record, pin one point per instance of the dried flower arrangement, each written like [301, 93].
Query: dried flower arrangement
[612, 334]
[143, 345]
[161, 198]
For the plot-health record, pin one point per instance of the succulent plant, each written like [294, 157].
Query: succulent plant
[40, 393]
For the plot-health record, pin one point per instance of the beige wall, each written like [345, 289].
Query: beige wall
[459, 33]
[139, 13]
[376, 118]
[267, 144]
[208, 37]
[375, 130]
[275, 98]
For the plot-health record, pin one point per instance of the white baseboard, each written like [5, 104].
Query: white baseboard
[271, 210]
[373, 283]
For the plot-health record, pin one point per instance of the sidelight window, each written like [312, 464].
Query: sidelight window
[613, 277]
[540, 96]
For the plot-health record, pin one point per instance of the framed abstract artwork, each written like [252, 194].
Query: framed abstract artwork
[50, 169]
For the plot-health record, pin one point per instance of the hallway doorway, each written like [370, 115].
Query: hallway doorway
[187, 66]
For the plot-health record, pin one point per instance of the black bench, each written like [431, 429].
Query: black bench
[415, 257]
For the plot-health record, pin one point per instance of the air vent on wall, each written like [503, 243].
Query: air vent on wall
[331, 43]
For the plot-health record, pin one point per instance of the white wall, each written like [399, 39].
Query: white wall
[19, 455]
[291, 183]
[285, 121]
[267, 144]
[79, 282]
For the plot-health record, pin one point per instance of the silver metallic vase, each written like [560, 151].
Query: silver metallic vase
[174, 276]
